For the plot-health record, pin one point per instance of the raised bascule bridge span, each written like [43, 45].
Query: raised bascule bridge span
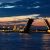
[25, 24]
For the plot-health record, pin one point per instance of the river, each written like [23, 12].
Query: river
[24, 41]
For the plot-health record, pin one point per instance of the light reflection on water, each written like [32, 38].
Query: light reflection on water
[24, 41]
[46, 41]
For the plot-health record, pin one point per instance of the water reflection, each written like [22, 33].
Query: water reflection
[24, 41]
[46, 41]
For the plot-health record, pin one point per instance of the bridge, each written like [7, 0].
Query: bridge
[26, 25]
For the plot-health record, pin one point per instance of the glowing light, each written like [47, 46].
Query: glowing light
[49, 31]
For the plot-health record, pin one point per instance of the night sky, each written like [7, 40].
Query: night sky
[24, 7]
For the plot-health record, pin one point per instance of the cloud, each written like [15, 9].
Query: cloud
[36, 7]
[7, 6]
[33, 7]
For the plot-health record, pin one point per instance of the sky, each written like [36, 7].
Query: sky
[25, 6]
[9, 0]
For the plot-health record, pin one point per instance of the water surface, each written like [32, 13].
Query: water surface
[24, 41]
